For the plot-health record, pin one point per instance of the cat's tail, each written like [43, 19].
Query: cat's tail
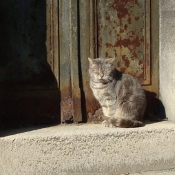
[126, 123]
[123, 123]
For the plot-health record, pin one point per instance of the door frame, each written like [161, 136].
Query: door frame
[85, 39]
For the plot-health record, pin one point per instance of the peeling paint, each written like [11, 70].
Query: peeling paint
[121, 33]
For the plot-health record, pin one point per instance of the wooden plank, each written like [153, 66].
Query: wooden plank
[76, 95]
[49, 42]
[52, 37]
[87, 39]
[55, 40]
[147, 54]
[69, 62]
[65, 66]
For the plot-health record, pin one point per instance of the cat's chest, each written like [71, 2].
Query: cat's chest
[104, 94]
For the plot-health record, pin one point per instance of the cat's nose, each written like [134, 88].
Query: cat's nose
[101, 76]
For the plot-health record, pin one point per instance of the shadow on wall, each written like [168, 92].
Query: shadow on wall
[28, 88]
[155, 110]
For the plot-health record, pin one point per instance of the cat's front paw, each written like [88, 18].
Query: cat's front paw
[112, 126]
[105, 123]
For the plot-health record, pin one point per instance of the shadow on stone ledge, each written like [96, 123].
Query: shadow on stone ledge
[155, 110]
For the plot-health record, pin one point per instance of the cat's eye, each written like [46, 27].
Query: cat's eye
[108, 69]
[95, 71]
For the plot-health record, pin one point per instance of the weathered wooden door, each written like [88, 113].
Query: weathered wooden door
[124, 29]
[35, 92]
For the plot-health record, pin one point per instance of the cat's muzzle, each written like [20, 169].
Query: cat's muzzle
[103, 81]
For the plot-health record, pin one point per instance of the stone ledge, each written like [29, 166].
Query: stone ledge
[87, 148]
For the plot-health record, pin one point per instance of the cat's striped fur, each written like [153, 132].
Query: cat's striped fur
[120, 95]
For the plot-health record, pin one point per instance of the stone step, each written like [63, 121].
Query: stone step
[87, 149]
[165, 172]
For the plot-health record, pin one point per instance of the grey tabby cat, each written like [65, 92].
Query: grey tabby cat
[120, 95]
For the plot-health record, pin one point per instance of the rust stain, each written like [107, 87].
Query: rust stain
[137, 18]
[107, 55]
[96, 115]
[128, 42]
[108, 18]
[76, 108]
[118, 64]
[100, 42]
[129, 20]
[109, 45]
[99, 27]
[125, 59]
[134, 55]
[122, 69]
[125, 27]
[122, 30]
[66, 110]
[120, 7]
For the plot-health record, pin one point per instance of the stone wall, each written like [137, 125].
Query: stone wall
[167, 56]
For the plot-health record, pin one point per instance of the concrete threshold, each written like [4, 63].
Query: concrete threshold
[164, 172]
[87, 149]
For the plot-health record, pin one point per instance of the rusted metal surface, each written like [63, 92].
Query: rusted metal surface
[74, 57]
[65, 66]
[67, 110]
[123, 31]
[87, 48]
[69, 64]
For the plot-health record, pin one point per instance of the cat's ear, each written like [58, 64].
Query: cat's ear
[111, 60]
[91, 61]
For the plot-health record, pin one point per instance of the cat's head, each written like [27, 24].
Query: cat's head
[101, 70]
